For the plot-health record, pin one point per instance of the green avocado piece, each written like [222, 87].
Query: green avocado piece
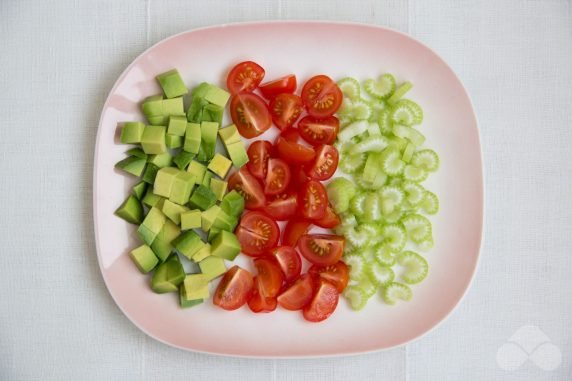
[183, 159]
[218, 187]
[188, 243]
[202, 198]
[198, 170]
[212, 267]
[151, 199]
[153, 106]
[173, 141]
[229, 134]
[172, 83]
[161, 160]
[209, 132]
[164, 181]
[177, 125]
[132, 165]
[137, 152]
[220, 165]
[232, 204]
[151, 225]
[158, 120]
[168, 276]
[204, 252]
[144, 258]
[150, 173]
[196, 286]
[207, 179]
[174, 107]
[223, 221]
[194, 113]
[225, 245]
[139, 189]
[162, 244]
[237, 154]
[182, 188]
[153, 139]
[131, 210]
[192, 138]
[208, 217]
[183, 299]
[217, 96]
[212, 234]
[191, 219]
[173, 211]
[131, 132]
[212, 113]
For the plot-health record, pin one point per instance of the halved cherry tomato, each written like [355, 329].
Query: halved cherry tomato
[258, 155]
[294, 229]
[337, 274]
[248, 187]
[289, 261]
[321, 249]
[313, 200]
[277, 177]
[250, 114]
[283, 206]
[290, 134]
[285, 109]
[321, 96]
[319, 131]
[257, 233]
[269, 276]
[244, 77]
[285, 84]
[299, 294]
[259, 302]
[325, 163]
[294, 153]
[323, 303]
[330, 220]
[299, 177]
[234, 289]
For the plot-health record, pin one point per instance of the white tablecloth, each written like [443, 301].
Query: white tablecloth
[58, 61]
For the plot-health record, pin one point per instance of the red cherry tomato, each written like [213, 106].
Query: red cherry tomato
[269, 276]
[289, 261]
[325, 163]
[299, 177]
[234, 289]
[258, 154]
[260, 303]
[247, 185]
[250, 114]
[257, 233]
[321, 96]
[323, 303]
[319, 131]
[337, 274]
[298, 295]
[313, 200]
[321, 249]
[290, 134]
[294, 153]
[285, 84]
[330, 220]
[244, 77]
[277, 177]
[283, 206]
[285, 110]
[294, 229]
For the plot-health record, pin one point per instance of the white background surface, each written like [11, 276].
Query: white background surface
[58, 61]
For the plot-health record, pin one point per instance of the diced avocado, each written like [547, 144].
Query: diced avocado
[153, 139]
[139, 189]
[183, 159]
[168, 276]
[237, 154]
[212, 113]
[173, 141]
[220, 165]
[151, 225]
[132, 165]
[151, 199]
[218, 187]
[182, 188]
[173, 211]
[144, 258]
[202, 155]
[232, 204]
[229, 134]
[177, 125]
[184, 302]
[162, 244]
[153, 106]
[207, 179]
[223, 221]
[212, 267]
[188, 243]
[212, 234]
[192, 138]
[137, 152]
[164, 181]
[172, 84]
[225, 245]
[202, 198]
[131, 210]
[198, 170]
[161, 160]
[191, 219]
[217, 96]
[150, 173]
[208, 217]
[194, 113]
[196, 286]
[159, 120]
[131, 132]
[204, 252]
[173, 106]
[209, 132]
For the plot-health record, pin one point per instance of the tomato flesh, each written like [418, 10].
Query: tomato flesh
[277, 177]
[283, 206]
[234, 289]
[294, 230]
[258, 154]
[250, 114]
[248, 187]
[313, 200]
[244, 77]
[321, 96]
[298, 295]
[337, 274]
[325, 164]
[285, 84]
[330, 220]
[323, 304]
[321, 249]
[257, 233]
[285, 110]
[291, 135]
[259, 303]
[319, 131]
[270, 277]
[294, 153]
[288, 260]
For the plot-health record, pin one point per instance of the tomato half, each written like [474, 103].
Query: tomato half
[330, 220]
[290, 134]
[257, 233]
[283, 206]
[323, 303]
[294, 153]
[269, 276]
[258, 302]
[285, 84]
[321, 249]
[277, 177]
[337, 274]
[294, 230]
[234, 289]
[289, 261]
[244, 77]
[285, 110]
[248, 187]
[258, 155]
[298, 295]
[250, 114]
[313, 200]
[321, 96]
[299, 177]
[319, 131]
[325, 163]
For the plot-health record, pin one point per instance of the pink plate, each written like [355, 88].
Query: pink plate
[304, 48]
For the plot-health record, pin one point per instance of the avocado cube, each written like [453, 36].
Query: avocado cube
[162, 244]
[192, 138]
[207, 179]
[132, 165]
[202, 155]
[183, 158]
[151, 225]
[164, 181]
[150, 173]
[131, 132]
[184, 302]
[233, 203]
[153, 139]
[209, 132]
[212, 234]
[137, 152]
[212, 113]
[237, 154]
[218, 187]
[173, 211]
[173, 141]
[172, 83]
[208, 217]
[144, 258]
[172, 107]
[194, 113]
[177, 125]
[182, 188]
[198, 170]
[202, 198]
[151, 199]
[212, 267]
[161, 160]
[168, 276]
[217, 96]
[225, 245]
[158, 120]
[204, 252]
[220, 165]
[223, 221]
[139, 189]
[131, 210]
[153, 106]
[191, 219]
[229, 134]
[188, 243]
[196, 286]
